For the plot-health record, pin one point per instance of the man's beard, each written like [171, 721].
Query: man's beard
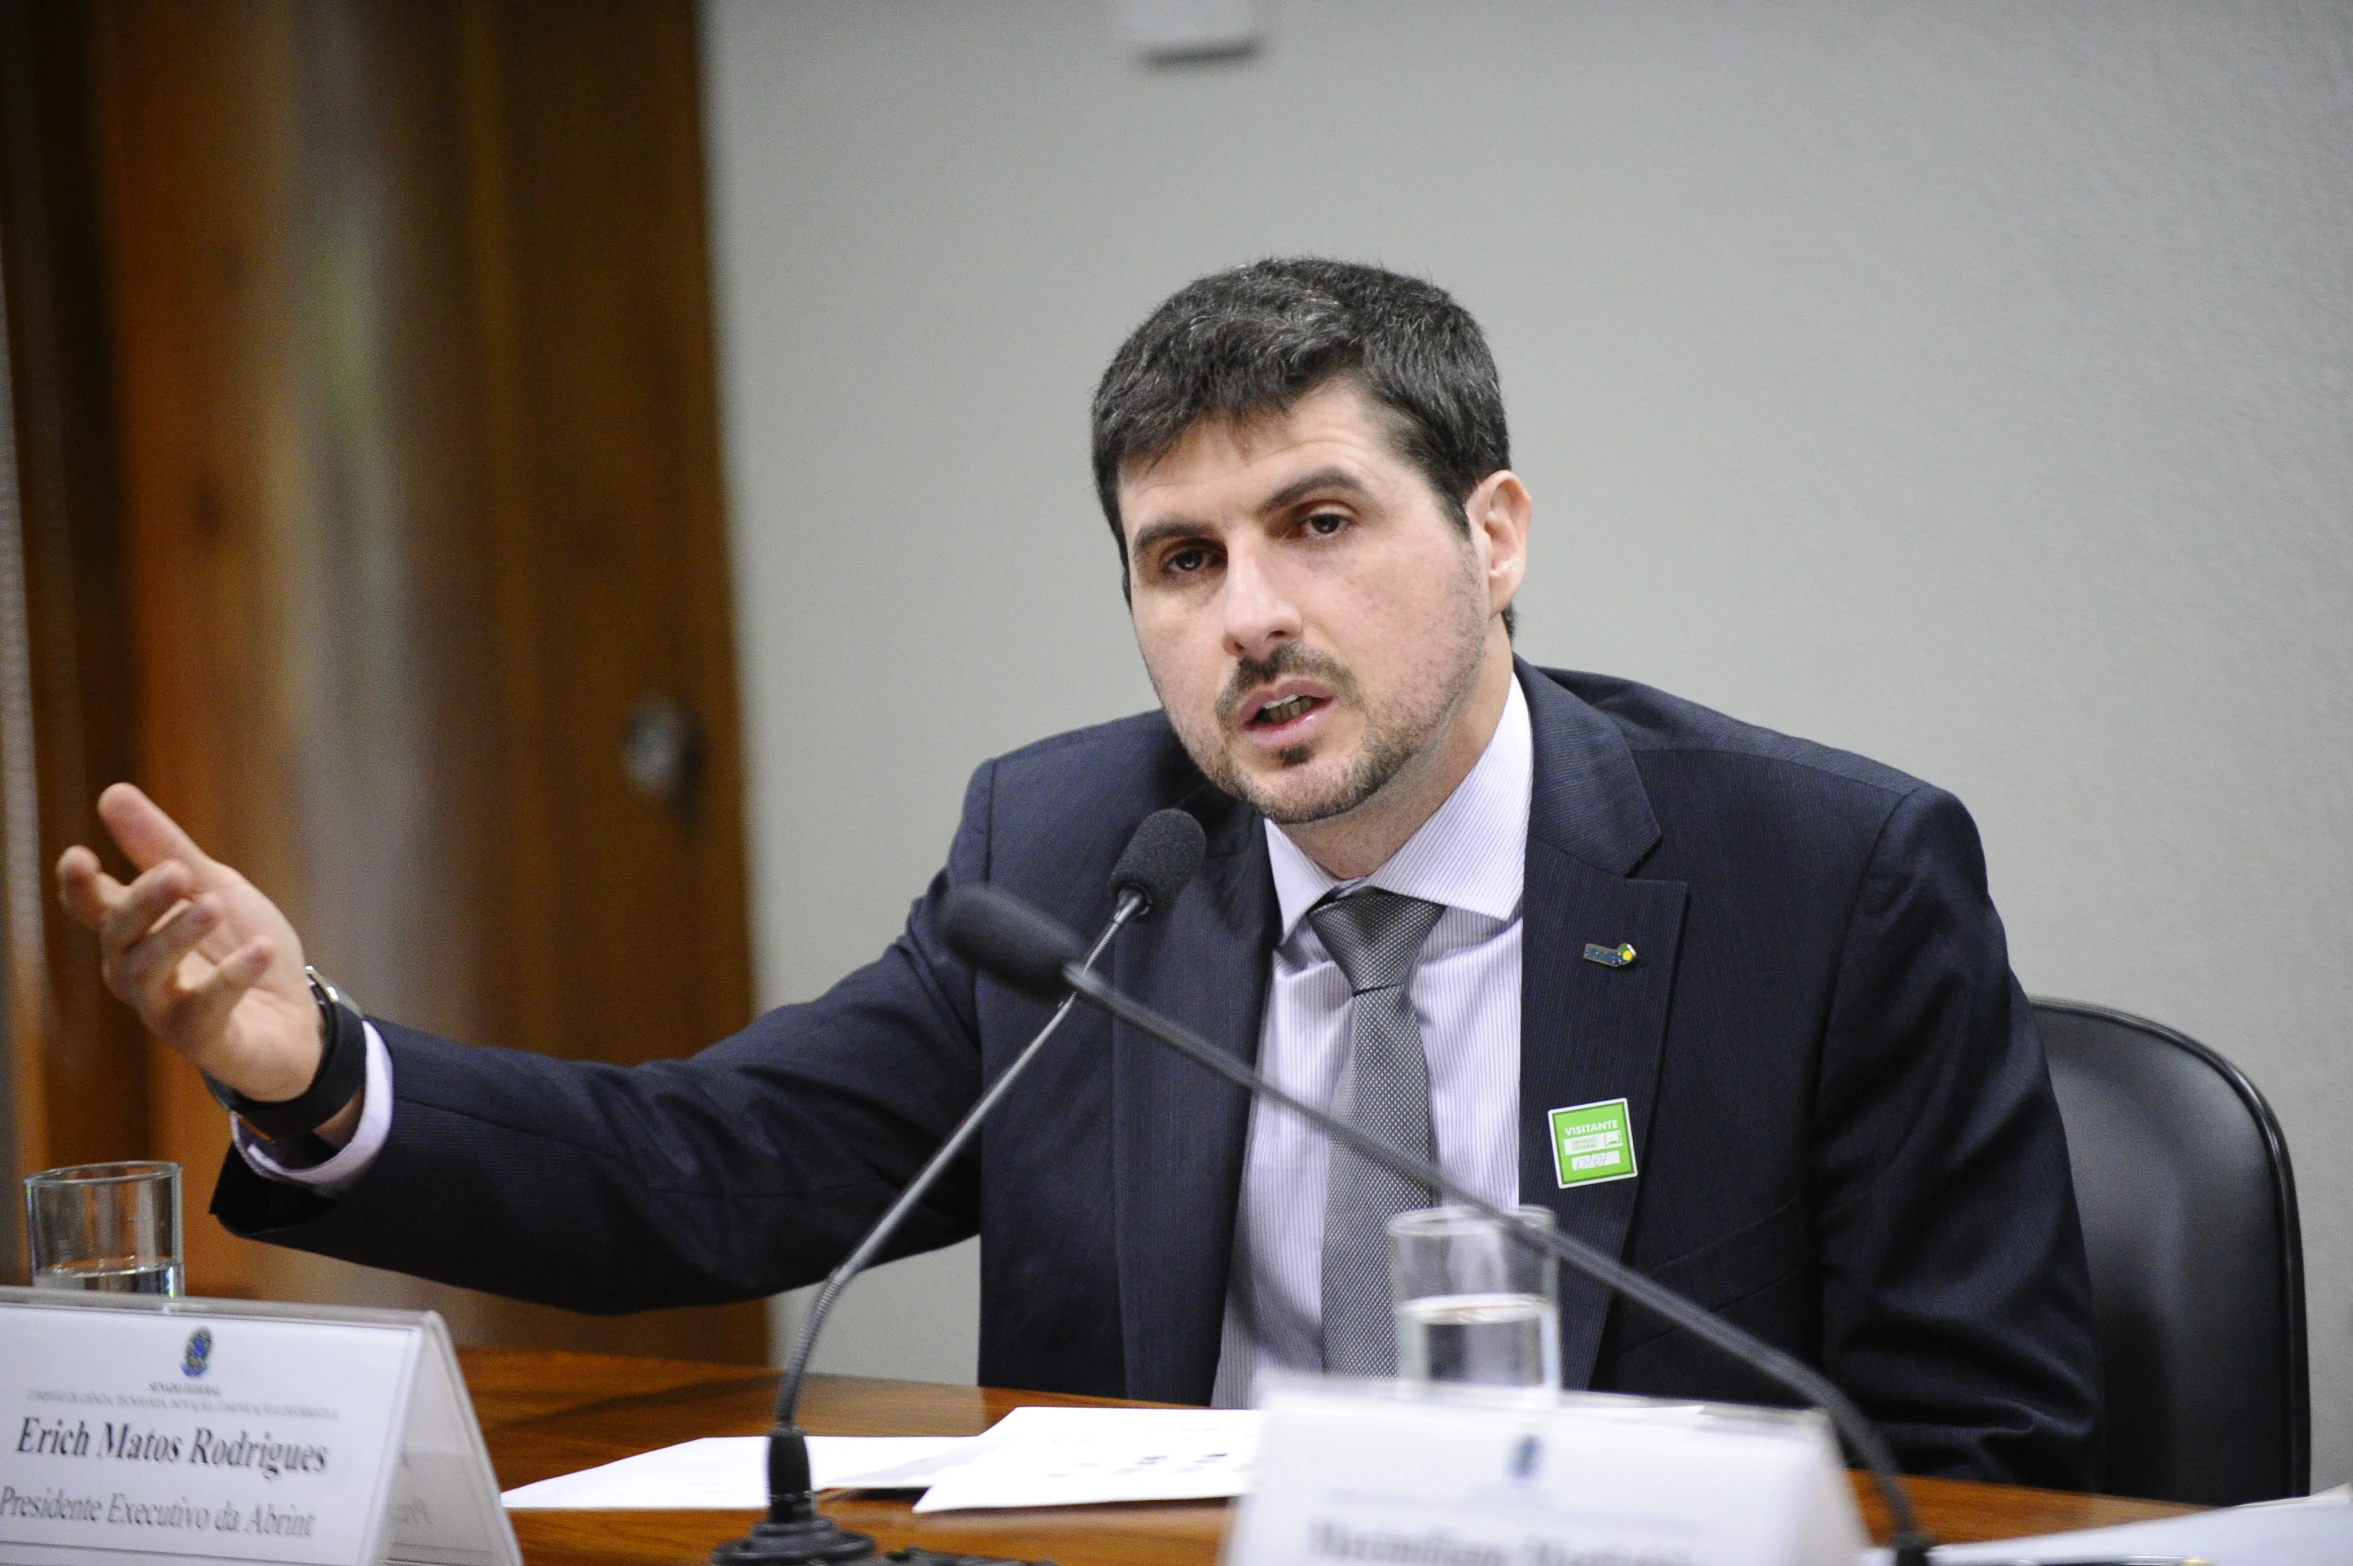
[1395, 732]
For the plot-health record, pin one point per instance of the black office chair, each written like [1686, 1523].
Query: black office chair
[2189, 1221]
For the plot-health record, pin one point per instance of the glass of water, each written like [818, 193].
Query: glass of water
[106, 1228]
[1473, 1303]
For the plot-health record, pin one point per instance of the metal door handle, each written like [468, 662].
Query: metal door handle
[662, 751]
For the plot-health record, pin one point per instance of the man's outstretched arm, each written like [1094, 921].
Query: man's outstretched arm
[747, 1169]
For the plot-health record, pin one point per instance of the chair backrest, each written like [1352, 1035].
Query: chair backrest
[2197, 1262]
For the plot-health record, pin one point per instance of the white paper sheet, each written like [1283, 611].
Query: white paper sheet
[2311, 1531]
[1082, 1456]
[1031, 1457]
[730, 1473]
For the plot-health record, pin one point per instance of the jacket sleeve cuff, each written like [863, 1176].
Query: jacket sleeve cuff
[286, 1161]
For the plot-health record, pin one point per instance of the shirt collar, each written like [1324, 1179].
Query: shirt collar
[1472, 853]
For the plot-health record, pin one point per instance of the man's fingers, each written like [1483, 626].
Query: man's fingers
[155, 956]
[203, 1010]
[148, 836]
[85, 887]
[132, 914]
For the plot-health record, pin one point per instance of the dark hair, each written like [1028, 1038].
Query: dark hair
[1252, 341]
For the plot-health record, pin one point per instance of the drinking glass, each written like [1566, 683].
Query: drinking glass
[108, 1228]
[1473, 1302]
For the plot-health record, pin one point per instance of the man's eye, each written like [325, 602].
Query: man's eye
[1325, 523]
[1186, 561]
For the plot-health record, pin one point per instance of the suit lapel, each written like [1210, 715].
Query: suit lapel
[1588, 1032]
[1178, 1134]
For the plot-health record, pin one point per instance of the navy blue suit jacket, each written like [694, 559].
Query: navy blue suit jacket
[1845, 1130]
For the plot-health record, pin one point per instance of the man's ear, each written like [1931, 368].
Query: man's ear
[1499, 511]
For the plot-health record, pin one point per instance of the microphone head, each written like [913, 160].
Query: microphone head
[1003, 936]
[1160, 859]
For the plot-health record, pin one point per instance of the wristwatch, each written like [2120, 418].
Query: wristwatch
[343, 1071]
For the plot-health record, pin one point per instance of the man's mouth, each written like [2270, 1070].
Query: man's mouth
[1280, 704]
[1277, 713]
[1286, 715]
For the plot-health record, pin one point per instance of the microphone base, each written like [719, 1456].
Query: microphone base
[819, 1539]
[816, 1538]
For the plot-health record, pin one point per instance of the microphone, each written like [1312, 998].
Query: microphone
[1159, 859]
[999, 933]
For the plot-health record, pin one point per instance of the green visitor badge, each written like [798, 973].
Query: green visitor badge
[1592, 1142]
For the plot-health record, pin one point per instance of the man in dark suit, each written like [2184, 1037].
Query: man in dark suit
[1768, 970]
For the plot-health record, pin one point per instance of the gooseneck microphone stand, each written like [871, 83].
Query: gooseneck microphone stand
[1159, 860]
[1000, 934]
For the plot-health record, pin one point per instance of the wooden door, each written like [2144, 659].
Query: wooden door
[76, 1083]
[426, 580]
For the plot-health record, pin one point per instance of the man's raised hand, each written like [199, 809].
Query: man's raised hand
[210, 965]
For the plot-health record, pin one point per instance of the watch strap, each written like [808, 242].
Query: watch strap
[342, 1072]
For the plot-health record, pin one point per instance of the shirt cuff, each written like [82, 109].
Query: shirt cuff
[282, 1160]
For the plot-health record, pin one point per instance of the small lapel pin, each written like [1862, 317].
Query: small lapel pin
[1618, 956]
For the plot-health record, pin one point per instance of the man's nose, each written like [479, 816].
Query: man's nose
[1258, 612]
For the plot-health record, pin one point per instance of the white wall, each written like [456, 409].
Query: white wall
[1968, 385]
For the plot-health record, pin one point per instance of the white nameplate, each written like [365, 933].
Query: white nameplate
[1372, 1472]
[141, 1431]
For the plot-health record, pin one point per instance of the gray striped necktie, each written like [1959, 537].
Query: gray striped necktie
[1384, 1088]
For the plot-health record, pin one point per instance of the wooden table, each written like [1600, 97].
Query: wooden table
[549, 1413]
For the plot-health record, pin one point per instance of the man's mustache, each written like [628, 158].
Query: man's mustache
[1287, 658]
